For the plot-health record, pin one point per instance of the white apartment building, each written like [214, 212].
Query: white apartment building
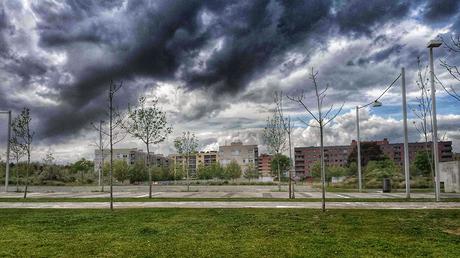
[242, 154]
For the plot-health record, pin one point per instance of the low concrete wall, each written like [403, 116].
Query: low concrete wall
[449, 173]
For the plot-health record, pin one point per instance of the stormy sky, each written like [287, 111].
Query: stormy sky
[215, 65]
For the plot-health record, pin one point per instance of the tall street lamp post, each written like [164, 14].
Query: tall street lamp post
[406, 137]
[433, 44]
[377, 103]
[358, 143]
[7, 170]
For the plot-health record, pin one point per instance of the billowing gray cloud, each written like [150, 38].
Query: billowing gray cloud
[440, 10]
[59, 57]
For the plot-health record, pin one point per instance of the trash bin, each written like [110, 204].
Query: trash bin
[386, 185]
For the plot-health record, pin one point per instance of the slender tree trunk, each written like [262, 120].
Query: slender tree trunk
[279, 173]
[17, 174]
[27, 170]
[111, 148]
[102, 170]
[148, 169]
[323, 170]
[186, 167]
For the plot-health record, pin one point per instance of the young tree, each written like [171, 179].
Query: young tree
[423, 164]
[274, 136]
[204, 172]
[372, 151]
[82, 167]
[148, 124]
[21, 129]
[233, 170]
[49, 172]
[287, 125]
[251, 172]
[18, 150]
[280, 162]
[137, 172]
[186, 145]
[453, 46]
[120, 170]
[322, 119]
[115, 133]
[423, 111]
[101, 145]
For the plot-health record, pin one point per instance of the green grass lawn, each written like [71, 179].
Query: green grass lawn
[145, 199]
[229, 233]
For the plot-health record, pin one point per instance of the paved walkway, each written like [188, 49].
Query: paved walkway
[308, 205]
[346, 195]
[226, 194]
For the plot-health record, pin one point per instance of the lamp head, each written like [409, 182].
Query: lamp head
[377, 103]
[434, 43]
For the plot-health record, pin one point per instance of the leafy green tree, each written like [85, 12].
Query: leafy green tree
[50, 170]
[18, 150]
[186, 146]
[148, 124]
[335, 171]
[204, 172]
[24, 136]
[82, 167]
[137, 172]
[274, 136]
[352, 169]
[251, 172]
[422, 164]
[233, 170]
[177, 171]
[381, 169]
[369, 151]
[280, 161]
[217, 171]
[120, 170]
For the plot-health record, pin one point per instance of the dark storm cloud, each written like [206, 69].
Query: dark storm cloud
[361, 16]
[218, 46]
[263, 32]
[440, 10]
[159, 39]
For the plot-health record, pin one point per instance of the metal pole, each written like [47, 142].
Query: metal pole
[291, 188]
[435, 129]
[406, 140]
[358, 145]
[101, 164]
[7, 171]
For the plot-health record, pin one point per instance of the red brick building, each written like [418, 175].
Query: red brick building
[306, 157]
[265, 165]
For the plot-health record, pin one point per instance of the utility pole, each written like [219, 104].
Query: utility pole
[291, 186]
[358, 146]
[432, 44]
[101, 162]
[7, 165]
[111, 93]
[406, 138]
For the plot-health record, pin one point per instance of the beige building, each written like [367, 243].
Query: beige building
[206, 158]
[242, 154]
[130, 156]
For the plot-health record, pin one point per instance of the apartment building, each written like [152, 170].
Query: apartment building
[130, 156]
[265, 161]
[206, 158]
[306, 157]
[242, 154]
[194, 161]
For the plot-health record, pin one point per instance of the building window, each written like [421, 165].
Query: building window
[235, 152]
